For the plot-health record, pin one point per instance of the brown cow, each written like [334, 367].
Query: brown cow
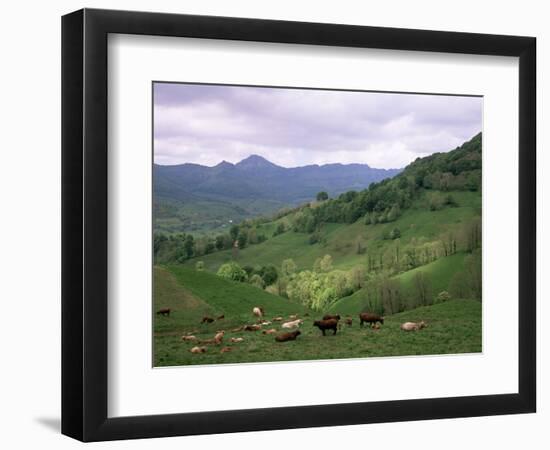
[164, 312]
[252, 328]
[207, 319]
[370, 318]
[284, 337]
[331, 316]
[271, 331]
[330, 324]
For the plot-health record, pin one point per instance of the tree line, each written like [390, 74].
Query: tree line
[382, 202]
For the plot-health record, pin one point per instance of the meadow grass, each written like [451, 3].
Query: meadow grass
[440, 273]
[453, 326]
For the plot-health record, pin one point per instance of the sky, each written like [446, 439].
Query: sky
[207, 124]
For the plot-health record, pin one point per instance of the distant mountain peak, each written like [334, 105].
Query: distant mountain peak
[254, 162]
[223, 164]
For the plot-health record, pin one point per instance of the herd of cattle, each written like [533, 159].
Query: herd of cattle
[329, 322]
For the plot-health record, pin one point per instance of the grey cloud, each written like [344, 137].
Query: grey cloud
[206, 124]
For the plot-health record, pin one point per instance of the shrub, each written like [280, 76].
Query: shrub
[322, 196]
[313, 238]
[256, 280]
[232, 271]
[288, 267]
[395, 233]
[280, 229]
[269, 274]
[436, 202]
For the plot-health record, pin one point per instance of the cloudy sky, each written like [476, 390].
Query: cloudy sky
[206, 124]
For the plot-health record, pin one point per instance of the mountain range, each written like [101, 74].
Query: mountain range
[250, 187]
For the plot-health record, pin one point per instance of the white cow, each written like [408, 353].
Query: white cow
[293, 324]
[413, 326]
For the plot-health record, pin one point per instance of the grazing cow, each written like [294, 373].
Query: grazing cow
[220, 317]
[164, 312]
[272, 331]
[331, 316]
[370, 318]
[277, 319]
[189, 338]
[258, 311]
[323, 325]
[207, 319]
[265, 323]
[219, 337]
[236, 340]
[284, 337]
[252, 327]
[293, 324]
[198, 350]
[349, 321]
[413, 326]
[226, 349]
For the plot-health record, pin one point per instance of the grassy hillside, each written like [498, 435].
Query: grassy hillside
[453, 327]
[341, 240]
[192, 294]
[231, 297]
[440, 271]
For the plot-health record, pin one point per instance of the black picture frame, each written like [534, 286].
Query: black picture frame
[84, 224]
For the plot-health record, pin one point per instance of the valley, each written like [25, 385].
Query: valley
[406, 246]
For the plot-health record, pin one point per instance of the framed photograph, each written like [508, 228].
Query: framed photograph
[272, 224]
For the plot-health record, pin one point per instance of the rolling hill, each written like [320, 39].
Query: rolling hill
[453, 326]
[407, 247]
[440, 271]
[341, 240]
